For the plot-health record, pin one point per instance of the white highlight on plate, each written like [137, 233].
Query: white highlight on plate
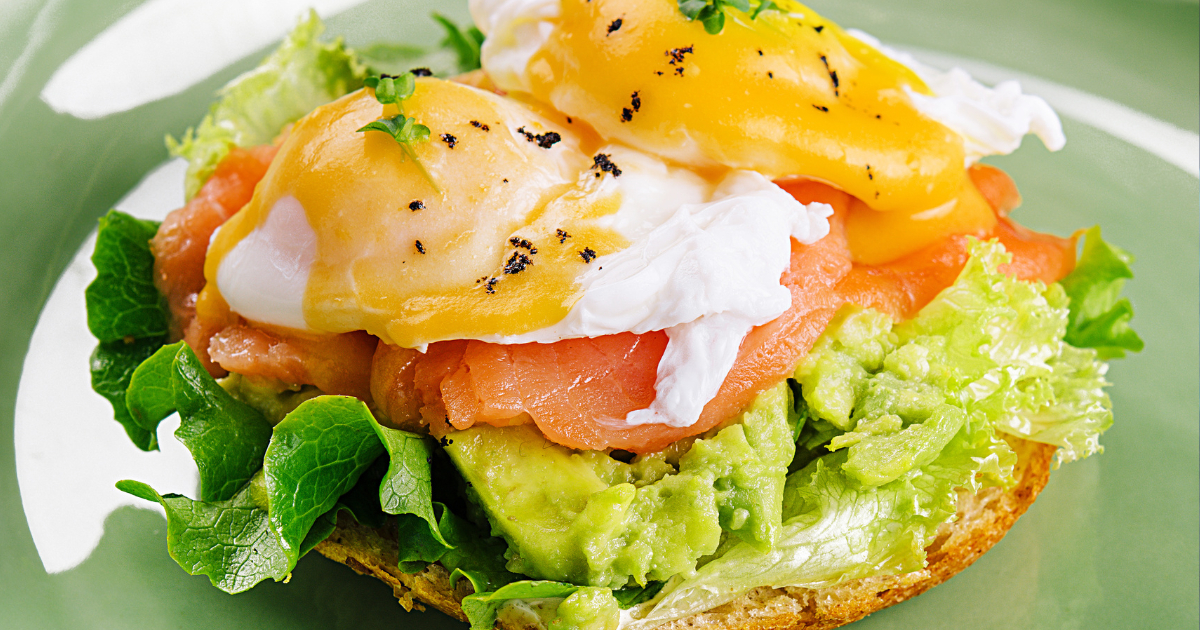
[37, 36]
[163, 47]
[69, 451]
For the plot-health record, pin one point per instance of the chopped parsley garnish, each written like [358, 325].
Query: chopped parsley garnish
[712, 12]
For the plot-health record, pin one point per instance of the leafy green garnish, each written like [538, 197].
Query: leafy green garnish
[1099, 316]
[302, 74]
[465, 43]
[122, 302]
[390, 90]
[315, 456]
[112, 365]
[405, 130]
[712, 12]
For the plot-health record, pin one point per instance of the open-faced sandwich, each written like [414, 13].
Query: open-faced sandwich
[673, 314]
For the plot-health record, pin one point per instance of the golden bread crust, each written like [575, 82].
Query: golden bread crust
[983, 519]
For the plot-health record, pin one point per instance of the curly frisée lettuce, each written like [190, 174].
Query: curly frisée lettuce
[301, 75]
[915, 411]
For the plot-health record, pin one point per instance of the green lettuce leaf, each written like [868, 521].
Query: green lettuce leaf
[309, 474]
[1099, 316]
[315, 456]
[580, 608]
[150, 395]
[473, 553]
[229, 541]
[407, 488]
[631, 596]
[301, 75]
[226, 437]
[112, 365]
[122, 302]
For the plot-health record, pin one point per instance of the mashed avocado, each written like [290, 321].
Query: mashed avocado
[587, 518]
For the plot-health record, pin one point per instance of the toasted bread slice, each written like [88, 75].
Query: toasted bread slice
[983, 519]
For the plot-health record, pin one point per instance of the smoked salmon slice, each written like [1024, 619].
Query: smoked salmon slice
[181, 243]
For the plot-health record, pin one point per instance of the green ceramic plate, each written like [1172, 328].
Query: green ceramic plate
[1112, 542]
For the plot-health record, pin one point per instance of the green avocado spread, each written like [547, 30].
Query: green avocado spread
[588, 518]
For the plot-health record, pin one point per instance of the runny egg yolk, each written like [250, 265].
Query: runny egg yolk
[787, 94]
[472, 249]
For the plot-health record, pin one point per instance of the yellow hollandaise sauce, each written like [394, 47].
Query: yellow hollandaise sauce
[470, 249]
[786, 94]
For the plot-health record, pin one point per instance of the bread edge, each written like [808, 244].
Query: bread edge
[983, 519]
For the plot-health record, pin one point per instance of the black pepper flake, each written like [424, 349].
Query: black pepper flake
[544, 140]
[603, 162]
[420, 247]
[449, 139]
[517, 241]
[870, 175]
[878, 117]
[679, 71]
[445, 441]
[676, 54]
[422, 72]
[587, 255]
[517, 263]
[818, 28]
[821, 107]
[416, 204]
[481, 126]
[635, 102]
[770, 75]
[832, 75]
[614, 26]
[562, 236]
[504, 181]
[760, 52]
[569, 121]
[659, 73]
[490, 285]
